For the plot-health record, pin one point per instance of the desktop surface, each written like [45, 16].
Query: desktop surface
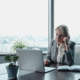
[52, 75]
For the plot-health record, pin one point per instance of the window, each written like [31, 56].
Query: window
[27, 19]
[67, 12]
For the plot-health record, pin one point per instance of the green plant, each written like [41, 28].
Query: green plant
[11, 59]
[18, 44]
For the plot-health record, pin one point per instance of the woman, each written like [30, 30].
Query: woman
[61, 49]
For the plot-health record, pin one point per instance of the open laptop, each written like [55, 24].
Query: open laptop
[32, 60]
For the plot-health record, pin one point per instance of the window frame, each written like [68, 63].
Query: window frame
[50, 21]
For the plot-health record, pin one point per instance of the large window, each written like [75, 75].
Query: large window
[27, 19]
[67, 12]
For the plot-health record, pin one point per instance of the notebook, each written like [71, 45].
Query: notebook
[66, 67]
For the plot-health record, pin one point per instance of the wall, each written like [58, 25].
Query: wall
[2, 59]
[3, 56]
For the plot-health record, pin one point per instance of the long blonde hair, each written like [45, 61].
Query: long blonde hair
[65, 33]
[64, 30]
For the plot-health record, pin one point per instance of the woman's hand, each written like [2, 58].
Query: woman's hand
[66, 39]
[46, 62]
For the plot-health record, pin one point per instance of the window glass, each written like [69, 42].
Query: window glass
[24, 19]
[67, 12]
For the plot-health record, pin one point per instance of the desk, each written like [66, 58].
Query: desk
[52, 75]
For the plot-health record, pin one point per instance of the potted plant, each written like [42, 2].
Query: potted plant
[12, 68]
[18, 44]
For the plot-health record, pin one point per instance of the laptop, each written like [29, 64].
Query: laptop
[32, 60]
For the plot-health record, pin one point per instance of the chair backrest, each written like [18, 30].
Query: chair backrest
[77, 55]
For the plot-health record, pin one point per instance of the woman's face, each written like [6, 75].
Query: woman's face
[59, 36]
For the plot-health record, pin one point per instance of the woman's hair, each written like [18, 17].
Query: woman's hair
[65, 33]
[64, 30]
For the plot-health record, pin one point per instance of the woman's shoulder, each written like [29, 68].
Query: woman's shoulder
[53, 41]
[72, 43]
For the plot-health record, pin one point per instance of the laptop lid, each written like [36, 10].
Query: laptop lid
[30, 60]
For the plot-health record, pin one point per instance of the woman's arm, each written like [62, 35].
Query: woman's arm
[70, 54]
[69, 50]
[48, 55]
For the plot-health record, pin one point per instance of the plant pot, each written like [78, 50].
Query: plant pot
[12, 71]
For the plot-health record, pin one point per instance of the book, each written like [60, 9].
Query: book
[71, 68]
